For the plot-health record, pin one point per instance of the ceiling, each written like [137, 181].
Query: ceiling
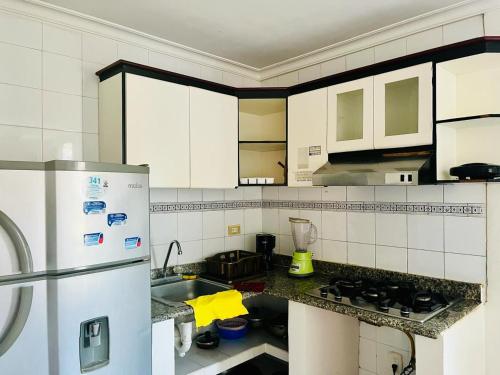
[255, 33]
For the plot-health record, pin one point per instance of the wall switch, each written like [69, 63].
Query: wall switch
[233, 230]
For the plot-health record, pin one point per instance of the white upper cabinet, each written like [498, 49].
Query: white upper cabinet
[350, 116]
[157, 129]
[403, 107]
[214, 139]
[307, 120]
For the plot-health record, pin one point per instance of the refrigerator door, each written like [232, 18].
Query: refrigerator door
[96, 218]
[23, 328]
[91, 312]
[22, 222]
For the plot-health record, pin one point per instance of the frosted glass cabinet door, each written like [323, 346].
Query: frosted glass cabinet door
[350, 116]
[403, 107]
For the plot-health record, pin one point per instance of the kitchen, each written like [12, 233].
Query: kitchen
[358, 138]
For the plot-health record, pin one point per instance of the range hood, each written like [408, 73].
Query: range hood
[376, 167]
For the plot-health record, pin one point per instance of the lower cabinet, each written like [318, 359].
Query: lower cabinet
[321, 342]
[163, 350]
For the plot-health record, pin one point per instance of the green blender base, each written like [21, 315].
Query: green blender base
[301, 264]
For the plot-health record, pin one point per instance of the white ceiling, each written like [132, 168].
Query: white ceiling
[257, 33]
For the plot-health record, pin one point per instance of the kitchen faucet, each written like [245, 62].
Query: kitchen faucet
[179, 252]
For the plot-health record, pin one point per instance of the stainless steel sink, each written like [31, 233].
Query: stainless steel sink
[174, 293]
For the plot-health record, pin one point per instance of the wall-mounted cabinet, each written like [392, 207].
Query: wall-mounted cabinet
[187, 135]
[262, 141]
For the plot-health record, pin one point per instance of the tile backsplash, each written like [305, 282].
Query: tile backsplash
[437, 231]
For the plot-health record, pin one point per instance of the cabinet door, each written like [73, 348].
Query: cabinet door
[350, 116]
[403, 107]
[214, 139]
[306, 135]
[157, 129]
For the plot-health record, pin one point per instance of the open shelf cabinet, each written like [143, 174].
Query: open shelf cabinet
[262, 141]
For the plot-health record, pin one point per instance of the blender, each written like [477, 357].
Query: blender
[304, 233]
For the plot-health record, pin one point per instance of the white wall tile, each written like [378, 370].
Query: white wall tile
[270, 220]
[334, 225]
[20, 106]
[192, 252]
[426, 232]
[315, 218]
[361, 254]
[21, 31]
[20, 143]
[284, 223]
[233, 194]
[210, 74]
[361, 227]
[20, 66]
[390, 193]
[285, 245]
[162, 195]
[360, 59]
[360, 193]
[62, 74]
[212, 246]
[90, 147]
[252, 193]
[391, 230]
[90, 80]
[465, 235]
[90, 113]
[158, 255]
[465, 193]
[368, 354]
[270, 193]
[393, 337]
[234, 243]
[231, 79]
[98, 49]
[190, 226]
[163, 61]
[426, 263]
[491, 24]
[468, 268]
[424, 40]
[235, 217]
[288, 194]
[310, 73]
[250, 243]
[390, 50]
[310, 194]
[62, 145]
[253, 220]
[132, 53]
[62, 41]
[334, 251]
[62, 111]
[189, 68]
[392, 258]
[288, 79]
[368, 331]
[333, 66]
[211, 195]
[425, 193]
[163, 228]
[334, 193]
[462, 30]
[271, 82]
[213, 224]
[384, 358]
[366, 372]
[189, 195]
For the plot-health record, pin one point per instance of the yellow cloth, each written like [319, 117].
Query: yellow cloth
[221, 305]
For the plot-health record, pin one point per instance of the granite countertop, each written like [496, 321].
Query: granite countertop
[278, 284]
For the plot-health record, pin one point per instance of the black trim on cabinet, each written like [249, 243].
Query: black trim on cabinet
[262, 142]
[467, 118]
[124, 120]
[263, 93]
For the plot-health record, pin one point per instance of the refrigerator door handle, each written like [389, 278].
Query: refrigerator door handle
[20, 244]
[19, 319]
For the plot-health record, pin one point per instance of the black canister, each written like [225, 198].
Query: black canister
[265, 244]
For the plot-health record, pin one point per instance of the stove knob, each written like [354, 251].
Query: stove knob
[384, 305]
[405, 311]
[323, 292]
[337, 295]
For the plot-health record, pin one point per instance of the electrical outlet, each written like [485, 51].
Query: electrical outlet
[396, 358]
[233, 230]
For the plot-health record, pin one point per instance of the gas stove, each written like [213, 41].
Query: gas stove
[402, 300]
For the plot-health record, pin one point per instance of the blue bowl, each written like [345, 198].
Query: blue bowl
[232, 329]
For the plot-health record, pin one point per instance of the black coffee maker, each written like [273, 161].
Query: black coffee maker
[265, 244]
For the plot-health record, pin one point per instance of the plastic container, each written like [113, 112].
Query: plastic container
[232, 329]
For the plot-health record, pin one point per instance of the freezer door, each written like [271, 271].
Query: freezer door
[96, 218]
[118, 300]
[23, 329]
[22, 222]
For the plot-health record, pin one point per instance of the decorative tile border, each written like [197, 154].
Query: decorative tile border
[447, 209]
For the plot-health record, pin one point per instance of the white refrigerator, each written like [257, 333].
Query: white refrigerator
[95, 311]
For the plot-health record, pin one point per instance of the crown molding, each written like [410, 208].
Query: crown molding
[427, 21]
[37, 9]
